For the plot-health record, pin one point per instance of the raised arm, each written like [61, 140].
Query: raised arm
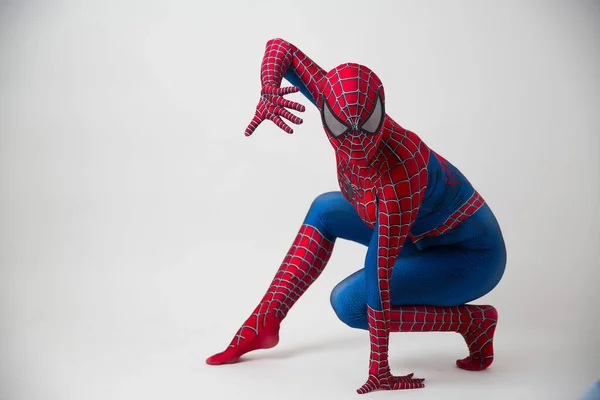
[284, 60]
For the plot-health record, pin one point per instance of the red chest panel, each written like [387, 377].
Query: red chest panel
[401, 174]
[357, 186]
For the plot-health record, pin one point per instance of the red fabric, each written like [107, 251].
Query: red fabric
[303, 263]
[380, 377]
[477, 325]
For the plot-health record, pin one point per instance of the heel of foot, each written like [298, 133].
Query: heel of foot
[474, 364]
[268, 342]
[269, 337]
[480, 340]
[491, 313]
[266, 338]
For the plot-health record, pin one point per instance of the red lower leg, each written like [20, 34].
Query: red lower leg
[476, 324]
[303, 263]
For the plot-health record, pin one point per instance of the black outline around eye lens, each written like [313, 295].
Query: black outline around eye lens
[325, 104]
[371, 114]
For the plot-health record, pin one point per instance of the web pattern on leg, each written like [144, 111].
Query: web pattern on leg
[476, 323]
[302, 265]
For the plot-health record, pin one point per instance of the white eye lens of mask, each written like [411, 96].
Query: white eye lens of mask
[331, 122]
[373, 123]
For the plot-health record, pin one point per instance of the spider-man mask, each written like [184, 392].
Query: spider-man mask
[352, 109]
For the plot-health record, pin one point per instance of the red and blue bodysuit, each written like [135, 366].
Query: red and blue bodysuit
[432, 243]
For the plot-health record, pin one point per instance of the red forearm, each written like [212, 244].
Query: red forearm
[281, 57]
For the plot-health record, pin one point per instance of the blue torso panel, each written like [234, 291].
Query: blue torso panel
[447, 190]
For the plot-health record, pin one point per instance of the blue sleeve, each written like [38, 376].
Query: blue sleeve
[295, 80]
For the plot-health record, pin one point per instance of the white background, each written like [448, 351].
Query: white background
[139, 227]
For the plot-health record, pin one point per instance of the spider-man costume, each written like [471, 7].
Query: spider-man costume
[433, 244]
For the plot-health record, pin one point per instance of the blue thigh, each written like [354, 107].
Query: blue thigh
[442, 276]
[333, 216]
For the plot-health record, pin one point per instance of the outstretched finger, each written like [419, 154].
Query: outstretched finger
[406, 378]
[287, 90]
[282, 112]
[280, 91]
[282, 125]
[253, 125]
[281, 102]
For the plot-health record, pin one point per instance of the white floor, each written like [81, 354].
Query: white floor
[119, 348]
[332, 366]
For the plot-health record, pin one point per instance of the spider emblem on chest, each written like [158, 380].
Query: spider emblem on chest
[357, 186]
[350, 189]
[354, 191]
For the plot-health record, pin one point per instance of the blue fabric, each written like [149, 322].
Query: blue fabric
[458, 267]
[447, 190]
[593, 393]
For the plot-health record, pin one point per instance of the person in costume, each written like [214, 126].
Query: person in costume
[432, 242]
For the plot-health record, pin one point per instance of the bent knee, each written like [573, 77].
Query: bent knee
[350, 311]
[320, 210]
[326, 203]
